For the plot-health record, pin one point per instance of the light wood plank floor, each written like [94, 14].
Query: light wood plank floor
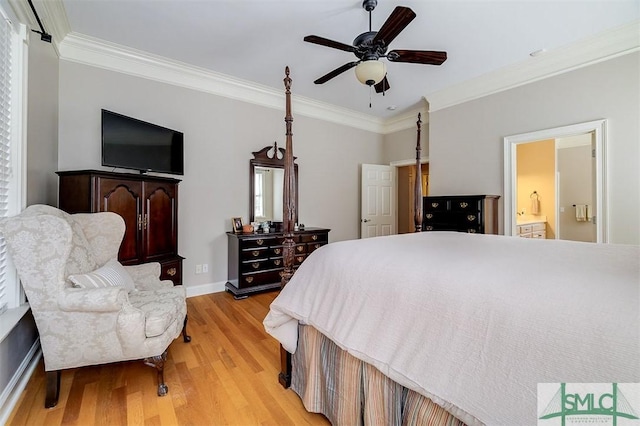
[227, 375]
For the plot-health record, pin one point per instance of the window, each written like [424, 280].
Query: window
[259, 194]
[12, 84]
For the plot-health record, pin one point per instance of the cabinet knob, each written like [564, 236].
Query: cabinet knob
[260, 242]
[464, 205]
[255, 265]
[276, 262]
[277, 251]
[435, 205]
[314, 237]
[300, 249]
[171, 271]
[300, 258]
[249, 280]
[472, 231]
[429, 216]
[471, 217]
[255, 253]
[429, 228]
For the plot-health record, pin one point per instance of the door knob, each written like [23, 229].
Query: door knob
[366, 220]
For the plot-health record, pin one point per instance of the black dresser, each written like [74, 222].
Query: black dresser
[255, 259]
[462, 213]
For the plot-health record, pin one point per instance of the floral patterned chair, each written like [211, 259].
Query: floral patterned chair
[88, 308]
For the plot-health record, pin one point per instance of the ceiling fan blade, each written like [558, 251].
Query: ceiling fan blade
[395, 23]
[336, 72]
[429, 57]
[329, 43]
[383, 86]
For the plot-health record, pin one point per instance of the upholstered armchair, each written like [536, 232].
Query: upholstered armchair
[88, 308]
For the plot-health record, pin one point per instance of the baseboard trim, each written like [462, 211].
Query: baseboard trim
[18, 383]
[202, 289]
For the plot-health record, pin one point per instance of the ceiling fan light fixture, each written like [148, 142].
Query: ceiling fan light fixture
[370, 72]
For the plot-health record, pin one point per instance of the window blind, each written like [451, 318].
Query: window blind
[5, 144]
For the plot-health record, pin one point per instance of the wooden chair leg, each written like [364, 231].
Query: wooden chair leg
[185, 336]
[158, 363]
[53, 389]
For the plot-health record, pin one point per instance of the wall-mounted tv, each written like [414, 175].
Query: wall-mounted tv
[130, 143]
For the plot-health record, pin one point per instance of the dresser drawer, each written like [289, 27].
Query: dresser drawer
[314, 246]
[257, 243]
[259, 278]
[171, 270]
[435, 205]
[465, 205]
[312, 238]
[262, 265]
[255, 253]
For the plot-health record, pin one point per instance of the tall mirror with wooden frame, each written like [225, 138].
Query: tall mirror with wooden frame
[266, 185]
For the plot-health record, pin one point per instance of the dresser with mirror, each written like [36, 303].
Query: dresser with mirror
[255, 259]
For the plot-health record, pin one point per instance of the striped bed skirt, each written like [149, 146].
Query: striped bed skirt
[349, 391]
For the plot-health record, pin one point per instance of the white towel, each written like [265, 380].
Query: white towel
[535, 206]
[581, 212]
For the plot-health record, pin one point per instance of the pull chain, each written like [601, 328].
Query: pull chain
[370, 89]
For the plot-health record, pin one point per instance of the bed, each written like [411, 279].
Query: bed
[454, 328]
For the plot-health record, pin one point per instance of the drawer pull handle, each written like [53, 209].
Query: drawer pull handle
[260, 242]
[255, 253]
[429, 216]
[249, 279]
[429, 228]
[300, 258]
[255, 265]
[276, 262]
[464, 205]
[171, 271]
[317, 246]
[472, 231]
[277, 251]
[314, 237]
[471, 218]
[434, 205]
[300, 249]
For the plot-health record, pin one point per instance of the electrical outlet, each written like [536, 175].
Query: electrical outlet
[198, 269]
[205, 268]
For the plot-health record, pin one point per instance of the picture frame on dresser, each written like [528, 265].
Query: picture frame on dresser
[236, 223]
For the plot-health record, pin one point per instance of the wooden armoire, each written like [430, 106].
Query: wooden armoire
[148, 205]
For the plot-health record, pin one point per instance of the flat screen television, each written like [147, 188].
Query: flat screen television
[130, 143]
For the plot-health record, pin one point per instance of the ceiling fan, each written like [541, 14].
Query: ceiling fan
[372, 45]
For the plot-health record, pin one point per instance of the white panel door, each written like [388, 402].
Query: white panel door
[378, 213]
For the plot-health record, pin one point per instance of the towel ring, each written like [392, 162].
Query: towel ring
[534, 193]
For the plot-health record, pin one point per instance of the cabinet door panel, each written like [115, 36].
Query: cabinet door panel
[123, 197]
[160, 211]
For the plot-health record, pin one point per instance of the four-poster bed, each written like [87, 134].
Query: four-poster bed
[448, 327]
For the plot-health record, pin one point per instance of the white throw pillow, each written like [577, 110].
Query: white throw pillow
[112, 274]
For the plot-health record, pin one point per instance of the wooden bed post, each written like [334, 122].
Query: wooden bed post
[417, 189]
[288, 220]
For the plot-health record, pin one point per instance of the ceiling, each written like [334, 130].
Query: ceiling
[254, 39]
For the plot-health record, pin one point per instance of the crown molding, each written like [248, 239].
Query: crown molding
[406, 120]
[52, 15]
[98, 53]
[607, 45]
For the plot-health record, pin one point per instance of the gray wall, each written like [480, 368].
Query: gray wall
[42, 131]
[220, 135]
[466, 145]
[401, 145]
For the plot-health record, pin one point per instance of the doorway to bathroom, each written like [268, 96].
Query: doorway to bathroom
[556, 177]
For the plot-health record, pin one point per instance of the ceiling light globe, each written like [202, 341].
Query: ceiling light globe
[371, 72]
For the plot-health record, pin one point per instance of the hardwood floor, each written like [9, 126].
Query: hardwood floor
[227, 375]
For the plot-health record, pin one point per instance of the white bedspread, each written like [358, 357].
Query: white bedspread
[473, 322]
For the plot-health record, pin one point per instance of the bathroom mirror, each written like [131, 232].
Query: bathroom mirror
[266, 185]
